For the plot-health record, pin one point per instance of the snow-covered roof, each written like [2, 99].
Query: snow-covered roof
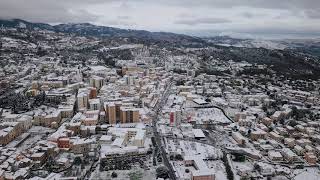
[198, 133]
[200, 101]
[118, 142]
[106, 138]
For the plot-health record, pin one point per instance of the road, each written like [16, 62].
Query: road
[157, 137]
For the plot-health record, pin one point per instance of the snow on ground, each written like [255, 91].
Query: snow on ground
[243, 166]
[307, 174]
[18, 140]
[280, 178]
[181, 170]
[10, 42]
[231, 111]
[196, 149]
[217, 166]
[29, 142]
[214, 114]
[219, 169]
[37, 133]
[134, 173]
[257, 43]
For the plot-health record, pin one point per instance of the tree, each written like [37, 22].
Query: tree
[162, 172]
[98, 128]
[179, 157]
[180, 82]
[239, 157]
[292, 123]
[264, 108]
[230, 175]
[77, 160]
[114, 175]
[308, 106]
[257, 167]
[244, 178]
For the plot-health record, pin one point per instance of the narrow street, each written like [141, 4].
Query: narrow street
[157, 137]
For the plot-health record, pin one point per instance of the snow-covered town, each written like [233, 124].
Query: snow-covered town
[78, 107]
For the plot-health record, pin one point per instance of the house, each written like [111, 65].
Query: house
[39, 156]
[80, 145]
[300, 128]
[303, 142]
[245, 122]
[201, 172]
[299, 150]
[311, 158]
[309, 148]
[290, 129]
[275, 156]
[282, 131]
[9, 131]
[94, 104]
[105, 139]
[198, 134]
[47, 118]
[289, 142]
[276, 116]
[289, 155]
[275, 136]
[92, 118]
[239, 138]
[258, 134]
[64, 142]
[267, 121]
[240, 115]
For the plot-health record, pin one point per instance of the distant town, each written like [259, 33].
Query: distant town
[85, 107]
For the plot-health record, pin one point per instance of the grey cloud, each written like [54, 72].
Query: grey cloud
[251, 15]
[313, 13]
[123, 17]
[58, 11]
[117, 22]
[247, 15]
[268, 33]
[197, 21]
[272, 4]
[163, 15]
[185, 15]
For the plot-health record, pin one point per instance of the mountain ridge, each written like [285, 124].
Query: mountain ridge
[297, 58]
[89, 29]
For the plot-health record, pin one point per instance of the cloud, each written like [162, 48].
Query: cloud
[270, 4]
[197, 21]
[111, 22]
[58, 11]
[312, 13]
[198, 16]
[123, 17]
[250, 15]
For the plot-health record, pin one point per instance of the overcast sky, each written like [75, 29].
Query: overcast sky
[241, 18]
